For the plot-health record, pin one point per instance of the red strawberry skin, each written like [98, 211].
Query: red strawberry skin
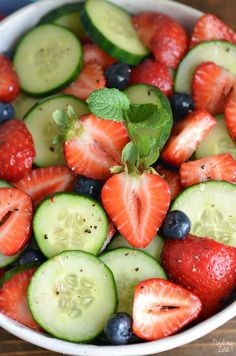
[218, 167]
[16, 217]
[173, 180]
[162, 308]
[186, 136]
[137, 205]
[96, 148]
[154, 73]
[41, 182]
[90, 78]
[230, 114]
[205, 267]
[16, 150]
[211, 86]
[94, 53]
[9, 84]
[209, 27]
[163, 35]
[13, 299]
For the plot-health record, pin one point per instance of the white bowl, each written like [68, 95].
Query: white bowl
[11, 30]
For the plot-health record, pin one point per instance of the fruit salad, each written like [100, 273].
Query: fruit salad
[118, 173]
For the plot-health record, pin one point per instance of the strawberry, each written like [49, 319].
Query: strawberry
[203, 266]
[209, 27]
[15, 220]
[211, 86]
[137, 205]
[16, 150]
[218, 167]
[186, 136]
[173, 180]
[230, 114]
[9, 83]
[161, 308]
[163, 35]
[2, 272]
[13, 299]
[90, 78]
[41, 182]
[94, 53]
[154, 73]
[92, 146]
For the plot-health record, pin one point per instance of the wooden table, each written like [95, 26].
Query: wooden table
[11, 346]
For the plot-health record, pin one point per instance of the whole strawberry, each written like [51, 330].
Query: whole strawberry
[206, 267]
[9, 84]
[16, 150]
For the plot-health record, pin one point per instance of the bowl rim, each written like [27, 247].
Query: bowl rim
[139, 349]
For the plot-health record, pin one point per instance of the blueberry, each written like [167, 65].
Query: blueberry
[117, 76]
[181, 104]
[9, 54]
[7, 112]
[118, 329]
[87, 186]
[31, 255]
[176, 225]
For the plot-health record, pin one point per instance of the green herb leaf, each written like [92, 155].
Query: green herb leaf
[152, 156]
[58, 139]
[60, 118]
[108, 104]
[130, 155]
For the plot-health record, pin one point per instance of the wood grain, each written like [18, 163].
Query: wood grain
[11, 346]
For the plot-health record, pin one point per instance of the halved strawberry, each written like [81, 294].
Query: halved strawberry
[172, 178]
[94, 145]
[41, 182]
[9, 83]
[230, 114]
[90, 78]
[186, 136]
[137, 205]
[211, 86]
[94, 53]
[161, 308]
[13, 299]
[146, 23]
[210, 27]
[15, 220]
[154, 73]
[218, 167]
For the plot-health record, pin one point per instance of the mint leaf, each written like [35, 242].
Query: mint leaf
[152, 156]
[130, 155]
[60, 118]
[108, 104]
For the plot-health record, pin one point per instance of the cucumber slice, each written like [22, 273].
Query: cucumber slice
[39, 121]
[217, 141]
[153, 249]
[147, 94]
[129, 267]
[23, 104]
[67, 15]
[72, 296]
[47, 59]
[220, 52]
[7, 260]
[4, 184]
[110, 27]
[69, 221]
[211, 209]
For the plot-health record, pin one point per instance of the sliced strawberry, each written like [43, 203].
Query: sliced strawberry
[153, 73]
[186, 136]
[211, 86]
[218, 167]
[9, 83]
[13, 299]
[41, 182]
[15, 220]
[161, 308]
[94, 146]
[137, 205]
[209, 27]
[230, 114]
[90, 78]
[173, 180]
[94, 53]
[146, 23]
